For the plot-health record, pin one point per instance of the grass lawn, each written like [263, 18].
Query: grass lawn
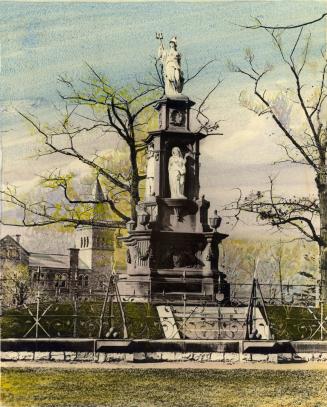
[294, 323]
[23, 387]
[142, 320]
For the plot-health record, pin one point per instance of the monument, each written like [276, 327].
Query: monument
[173, 248]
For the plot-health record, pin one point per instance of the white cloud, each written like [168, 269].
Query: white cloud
[249, 144]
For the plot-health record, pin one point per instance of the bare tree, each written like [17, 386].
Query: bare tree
[15, 284]
[298, 112]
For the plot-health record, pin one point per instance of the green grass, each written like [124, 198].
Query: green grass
[142, 321]
[294, 323]
[163, 388]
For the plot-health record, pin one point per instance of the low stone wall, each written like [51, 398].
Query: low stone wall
[101, 357]
[67, 356]
[102, 351]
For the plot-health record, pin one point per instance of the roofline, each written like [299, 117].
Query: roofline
[50, 254]
[48, 267]
[15, 241]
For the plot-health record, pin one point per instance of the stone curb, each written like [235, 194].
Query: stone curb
[145, 357]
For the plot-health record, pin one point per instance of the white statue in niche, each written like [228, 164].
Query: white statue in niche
[177, 171]
[171, 61]
[149, 186]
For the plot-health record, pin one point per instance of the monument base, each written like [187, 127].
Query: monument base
[175, 285]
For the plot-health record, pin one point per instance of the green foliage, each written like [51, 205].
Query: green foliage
[296, 260]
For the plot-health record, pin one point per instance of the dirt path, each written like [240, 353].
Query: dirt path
[167, 365]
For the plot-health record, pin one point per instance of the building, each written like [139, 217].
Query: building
[86, 265]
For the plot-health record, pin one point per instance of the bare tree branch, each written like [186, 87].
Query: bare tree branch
[259, 25]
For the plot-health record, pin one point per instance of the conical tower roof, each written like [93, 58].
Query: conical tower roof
[100, 210]
[97, 192]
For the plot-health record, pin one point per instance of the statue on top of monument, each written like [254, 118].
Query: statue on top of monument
[171, 62]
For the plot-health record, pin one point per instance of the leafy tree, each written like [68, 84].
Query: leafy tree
[94, 107]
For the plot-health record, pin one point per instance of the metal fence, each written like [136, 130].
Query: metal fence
[253, 311]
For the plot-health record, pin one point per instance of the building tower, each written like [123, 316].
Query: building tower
[95, 242]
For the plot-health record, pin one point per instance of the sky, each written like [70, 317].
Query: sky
[42, 40]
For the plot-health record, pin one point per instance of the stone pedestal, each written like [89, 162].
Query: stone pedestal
[173, 249]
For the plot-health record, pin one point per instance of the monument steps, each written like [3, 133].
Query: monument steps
[211, 322]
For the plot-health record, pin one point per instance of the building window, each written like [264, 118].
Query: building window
[87, 241]
[81, 242]
[63, 280]
[86, 281]
[13, 254]
[57, 280]
[80, 280]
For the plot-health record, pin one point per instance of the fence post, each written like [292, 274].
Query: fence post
[184, 314]
[37, 314]
[104, 305]
[318, 298]
[75, 314]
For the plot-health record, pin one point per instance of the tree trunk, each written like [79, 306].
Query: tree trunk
[134, 194]
[280, 280]
[322, 187]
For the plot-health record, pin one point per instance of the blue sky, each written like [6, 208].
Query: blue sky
[40, 41]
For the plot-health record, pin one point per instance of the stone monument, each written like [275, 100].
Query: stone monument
[173, 248]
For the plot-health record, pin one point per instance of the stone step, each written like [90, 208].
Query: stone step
[211, 311]
[202, 320]
[203, 323]
[210, 314]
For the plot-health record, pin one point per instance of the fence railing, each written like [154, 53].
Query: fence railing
[282, 312]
